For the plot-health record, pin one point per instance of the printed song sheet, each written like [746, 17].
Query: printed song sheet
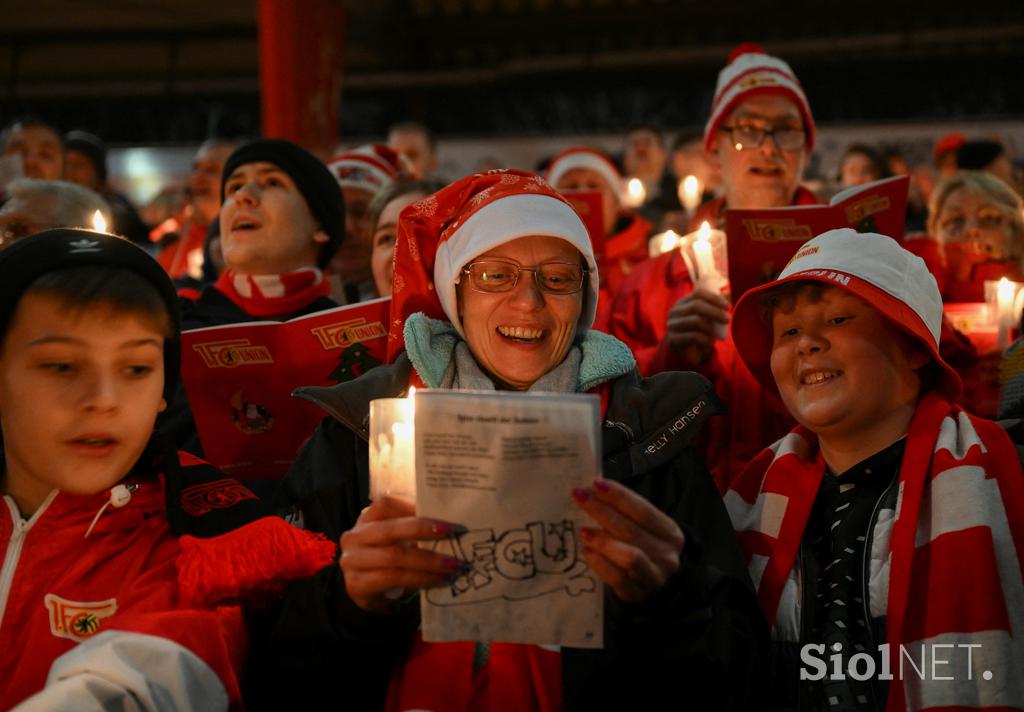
[504, 466]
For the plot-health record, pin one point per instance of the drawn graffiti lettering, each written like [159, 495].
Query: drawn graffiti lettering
[537, 560]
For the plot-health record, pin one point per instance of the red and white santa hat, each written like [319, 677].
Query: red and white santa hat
[871, 266]
[750, 72]
[371, 167]
[591, 159]
[439, 235]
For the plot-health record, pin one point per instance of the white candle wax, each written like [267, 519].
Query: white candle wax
[1006, 291]
[392, 448]
[708, 276]
[707, 273]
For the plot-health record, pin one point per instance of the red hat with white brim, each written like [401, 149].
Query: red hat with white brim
[871, 266]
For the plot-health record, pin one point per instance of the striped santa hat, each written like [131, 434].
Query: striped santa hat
[590, 159]
[371, 167]
[439, 235]
[751, 71]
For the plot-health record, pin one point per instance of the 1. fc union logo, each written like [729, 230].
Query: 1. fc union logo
[232, 353]
[345, 333]
[77, 620]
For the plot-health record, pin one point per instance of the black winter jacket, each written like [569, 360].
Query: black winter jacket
[697, 644]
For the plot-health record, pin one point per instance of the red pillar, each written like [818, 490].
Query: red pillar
[300, 71]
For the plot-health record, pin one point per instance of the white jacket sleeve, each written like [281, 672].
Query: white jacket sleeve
[120, 670]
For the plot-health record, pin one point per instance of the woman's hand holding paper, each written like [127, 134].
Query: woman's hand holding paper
[379, 555]
[637, 547]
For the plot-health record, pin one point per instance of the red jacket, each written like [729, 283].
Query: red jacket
[638, 318]
[118, 613]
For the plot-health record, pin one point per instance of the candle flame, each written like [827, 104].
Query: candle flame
[98, 223]
[408, 408]
[635, 187]
[704, 233]
[669, 240]
[691, 185]
[1006, 290]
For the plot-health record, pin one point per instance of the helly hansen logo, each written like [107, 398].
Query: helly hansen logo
[221, 494]
[233, 353]
[83, 245]
[77, 620]
[676, 427]
[346, 333]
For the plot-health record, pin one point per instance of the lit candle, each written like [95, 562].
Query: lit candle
[664, 242]
[636, 194]
[98, 223]
[393, 447]
[1006, 291]
[706, 270]
[708, 276]
[689, 194]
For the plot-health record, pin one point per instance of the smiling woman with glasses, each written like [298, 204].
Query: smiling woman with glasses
[495, 288]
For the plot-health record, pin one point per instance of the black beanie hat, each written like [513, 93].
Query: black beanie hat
[313, 179]
[976, 155]
[28, 259]
[92, 146]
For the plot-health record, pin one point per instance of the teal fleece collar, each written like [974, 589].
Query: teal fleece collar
[430, 344]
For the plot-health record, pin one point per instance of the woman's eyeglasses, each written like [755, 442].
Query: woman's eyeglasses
[502, 276]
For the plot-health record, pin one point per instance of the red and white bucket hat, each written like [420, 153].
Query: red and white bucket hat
[870, 266]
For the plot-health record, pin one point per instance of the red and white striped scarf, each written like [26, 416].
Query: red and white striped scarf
[267, 295]
[953, 557]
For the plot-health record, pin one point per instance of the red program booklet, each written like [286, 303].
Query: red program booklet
[240, 377]
[589, 205]
[760, 243]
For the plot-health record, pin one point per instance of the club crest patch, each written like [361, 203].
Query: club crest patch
[197, 500]
[77, 620]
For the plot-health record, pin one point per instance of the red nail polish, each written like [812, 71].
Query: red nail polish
[587, 533]
[580, 495]
[442, 528]
[602, 485]
[453, 564]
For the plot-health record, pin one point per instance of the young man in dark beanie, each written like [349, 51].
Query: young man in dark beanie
[105, 603]
[282, 218]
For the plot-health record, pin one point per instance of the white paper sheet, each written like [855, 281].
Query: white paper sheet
[504, 466]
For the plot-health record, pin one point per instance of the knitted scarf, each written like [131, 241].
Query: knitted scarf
[267, 295]
[952, 555]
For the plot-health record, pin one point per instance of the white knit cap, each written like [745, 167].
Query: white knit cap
[371, 167]
[751, 71]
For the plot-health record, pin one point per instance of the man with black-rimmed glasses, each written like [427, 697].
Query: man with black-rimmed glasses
[759, 133]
